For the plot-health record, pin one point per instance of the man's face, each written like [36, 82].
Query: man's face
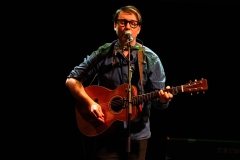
[127, 22]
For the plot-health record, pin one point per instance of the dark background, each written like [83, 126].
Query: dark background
[194, 40]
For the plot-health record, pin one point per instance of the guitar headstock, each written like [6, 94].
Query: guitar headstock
[196, 86]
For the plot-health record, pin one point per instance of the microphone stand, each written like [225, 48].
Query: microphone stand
[129, 106]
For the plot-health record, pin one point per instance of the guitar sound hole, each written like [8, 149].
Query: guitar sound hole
[117, 104]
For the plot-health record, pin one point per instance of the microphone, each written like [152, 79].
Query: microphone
[128, 35]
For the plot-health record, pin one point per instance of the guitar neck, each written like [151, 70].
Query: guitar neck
[149, 96]
[196, 86]
[144, 97]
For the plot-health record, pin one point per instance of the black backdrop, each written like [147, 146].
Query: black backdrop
[194, 40]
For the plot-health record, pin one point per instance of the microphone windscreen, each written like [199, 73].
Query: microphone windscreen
[128, 34]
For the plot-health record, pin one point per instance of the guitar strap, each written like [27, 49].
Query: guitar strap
[141, 61]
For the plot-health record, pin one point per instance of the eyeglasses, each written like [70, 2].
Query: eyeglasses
[124, 22]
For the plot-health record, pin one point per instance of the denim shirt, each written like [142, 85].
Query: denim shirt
[112, 68]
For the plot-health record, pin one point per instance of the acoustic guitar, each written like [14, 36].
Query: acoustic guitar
[114, 105]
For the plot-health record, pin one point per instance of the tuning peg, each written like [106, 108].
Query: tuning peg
[203, 92]
[197, 92]
[195, 80]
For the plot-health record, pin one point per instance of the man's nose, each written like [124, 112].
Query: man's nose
[127, 25]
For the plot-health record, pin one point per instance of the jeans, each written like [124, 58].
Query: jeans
[115, 148]
[119, 151]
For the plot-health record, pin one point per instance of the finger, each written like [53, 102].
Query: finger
[97, 113]
[100, 112]
[168, 87]
[169, 96]
[100, 117]
[161, 93]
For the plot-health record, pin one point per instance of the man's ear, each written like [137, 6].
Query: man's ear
[139, 29]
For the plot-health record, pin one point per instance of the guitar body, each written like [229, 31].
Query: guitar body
[114, 107]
